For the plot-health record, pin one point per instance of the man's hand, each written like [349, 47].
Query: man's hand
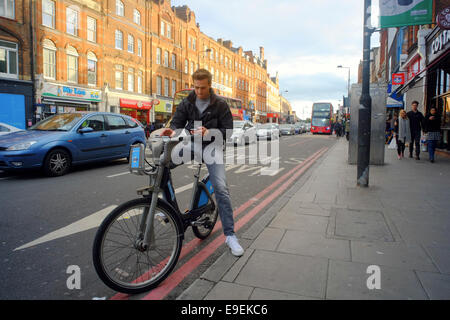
[200, 130]
[168, 132]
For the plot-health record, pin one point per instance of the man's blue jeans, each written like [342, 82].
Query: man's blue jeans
[219, 182]
[431, 148]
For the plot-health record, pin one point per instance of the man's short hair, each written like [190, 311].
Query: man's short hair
[415, 102]
[202, 74]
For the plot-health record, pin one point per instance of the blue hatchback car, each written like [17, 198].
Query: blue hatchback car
[66, 139]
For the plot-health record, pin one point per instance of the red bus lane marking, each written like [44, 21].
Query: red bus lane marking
[174, 279]
[187, 248]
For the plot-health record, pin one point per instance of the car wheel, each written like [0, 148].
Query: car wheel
[57, 163]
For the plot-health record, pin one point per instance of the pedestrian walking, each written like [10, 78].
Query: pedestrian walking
[337, 129]
[416, 122]
[433, 131]
[347, 129]
[404, 134]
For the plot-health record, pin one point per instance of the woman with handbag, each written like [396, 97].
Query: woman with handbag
[433, 131]
[404, 134]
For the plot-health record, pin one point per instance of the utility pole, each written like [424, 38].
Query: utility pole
[365, 104]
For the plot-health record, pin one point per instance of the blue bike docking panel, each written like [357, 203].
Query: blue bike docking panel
[203, 200]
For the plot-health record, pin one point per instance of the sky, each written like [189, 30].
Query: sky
[304, 41]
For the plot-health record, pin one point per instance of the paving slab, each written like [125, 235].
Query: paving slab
[440, 257]
[436, 285]
[303, 222]
[229, 291]
[314, 244]
[408, 257]
[348, 281]
[265, 294]
[197, 290]
[268, 239]
[288, 273]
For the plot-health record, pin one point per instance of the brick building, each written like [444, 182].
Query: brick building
[16, 63]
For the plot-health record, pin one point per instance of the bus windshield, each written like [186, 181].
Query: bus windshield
[320, 122]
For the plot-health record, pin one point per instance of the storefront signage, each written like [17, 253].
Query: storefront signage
[398, 78]
[52, 90]
[443, 19]
[397, 13]
[221, 87]
[163, 106]
[135, 104]
[441, 40]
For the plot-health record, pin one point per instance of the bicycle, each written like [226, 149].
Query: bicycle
[138, 244]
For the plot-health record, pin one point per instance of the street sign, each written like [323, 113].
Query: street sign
[397, 13]
[398, 78]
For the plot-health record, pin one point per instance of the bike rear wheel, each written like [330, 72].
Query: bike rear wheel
[125, 266]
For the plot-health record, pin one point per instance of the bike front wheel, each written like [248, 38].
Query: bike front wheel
[121, 262]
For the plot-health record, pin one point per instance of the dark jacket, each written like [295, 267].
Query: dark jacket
[432, 125]
[416, 121]
[216, 116]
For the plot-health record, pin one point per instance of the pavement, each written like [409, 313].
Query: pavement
[326, 238]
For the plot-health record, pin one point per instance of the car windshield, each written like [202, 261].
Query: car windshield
[320, 122]
[238, 124]
[58, 122]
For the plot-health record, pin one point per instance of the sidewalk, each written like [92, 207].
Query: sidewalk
[319, 239]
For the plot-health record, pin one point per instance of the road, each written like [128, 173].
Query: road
[48, 224]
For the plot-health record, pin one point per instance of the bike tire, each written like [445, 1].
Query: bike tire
[202, 232]
[118, 278]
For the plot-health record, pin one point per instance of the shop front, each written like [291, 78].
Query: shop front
[62, 99]
[260, 117]
[438, 80]
[136, 109]
[273, 117]
[163, 110]
[236, 113]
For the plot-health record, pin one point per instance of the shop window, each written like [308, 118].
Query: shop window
[7, 9]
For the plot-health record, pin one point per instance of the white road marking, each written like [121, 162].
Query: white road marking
[119, 174]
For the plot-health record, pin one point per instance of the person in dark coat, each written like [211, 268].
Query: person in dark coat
[433, 131]
[416, 123]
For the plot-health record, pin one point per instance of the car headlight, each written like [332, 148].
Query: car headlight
[21, 146]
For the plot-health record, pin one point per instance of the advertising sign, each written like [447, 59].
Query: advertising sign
[443, 19]
[397, 13]
[398, 78]
[52, 90]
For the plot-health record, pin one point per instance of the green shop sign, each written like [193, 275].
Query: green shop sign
[397, 13]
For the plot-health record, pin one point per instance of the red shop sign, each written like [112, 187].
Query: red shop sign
[398, 78]
[135, 104]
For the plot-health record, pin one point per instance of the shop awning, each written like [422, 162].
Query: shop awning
[56, 100]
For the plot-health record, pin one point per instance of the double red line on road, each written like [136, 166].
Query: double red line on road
[180, 274]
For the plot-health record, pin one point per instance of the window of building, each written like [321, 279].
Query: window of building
[189, 42]
[130, 43]
[9, 59]
[120, 9]
[166, 58]
[48, 13]
[192, 68]
[139, 82]
[7, 9]
[119, 76]
[169, 31]
[92, 68]
[163, 28]
[72, 64]
[139, 47]
[217, 57]
[49, 53]
[72, 21]
[186, 66]
[211, 54]
[212, 73]
[158, 85]
[137, 17]
[91, 29]
[174, 87]
[158, 55]
[119, 40]
[174, 61]
[130, 79]
[194, 44]
[166, 87]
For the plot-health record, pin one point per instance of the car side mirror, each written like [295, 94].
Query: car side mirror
[85, 130]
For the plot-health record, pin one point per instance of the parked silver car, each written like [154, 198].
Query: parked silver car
[244, 132]
[267, 131]
[287, 129]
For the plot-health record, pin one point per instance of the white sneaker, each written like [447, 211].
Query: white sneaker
[233, 243]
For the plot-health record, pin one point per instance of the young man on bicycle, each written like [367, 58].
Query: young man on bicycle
[214, 113]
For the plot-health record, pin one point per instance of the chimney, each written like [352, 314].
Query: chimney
[261, 53]
[220, 41]
[228, 44]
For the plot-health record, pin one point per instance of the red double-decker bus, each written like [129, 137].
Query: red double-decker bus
[322, 114]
